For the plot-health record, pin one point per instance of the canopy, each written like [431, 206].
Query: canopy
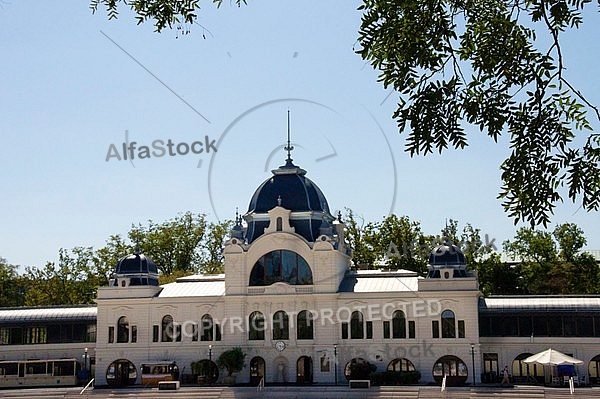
[552, 357]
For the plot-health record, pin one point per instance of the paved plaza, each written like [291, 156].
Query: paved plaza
[330, 392]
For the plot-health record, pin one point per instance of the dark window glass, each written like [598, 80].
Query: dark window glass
[281, 325]
[570, 326]
[194, 332]
[123, 330]
[525, 326]
[461, 329]
[281, 266]
[90, 331]
[305, 325]
[54, 334]
[178, 332]
[168, 331]
[344, 330]
[398, 324]
[484, 326]
[411, 329]
[133, 333]
[79, 332]
[510, 326]
[555, 326]
[155, 333]
[448, 324]
[217, 332]
[206, 325]
[111, 334]
[386, 329]
[357, 325]
[256, 328]
[369, 325]
[585, 326]
[540, 326]
[435, 329]
[289, 267]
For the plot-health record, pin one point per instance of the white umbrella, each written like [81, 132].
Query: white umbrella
[552, 357]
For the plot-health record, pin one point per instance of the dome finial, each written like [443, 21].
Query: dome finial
[289, 147]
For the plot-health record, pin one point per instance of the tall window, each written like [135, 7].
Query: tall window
[398, 324]
[111, 334]
[305, 325]
[256, 326]
[167, 329]
[155, 333]
[357, 330]
[206, 323]
[281, 325]
[281, 266]
[448, 324]
[123, 330]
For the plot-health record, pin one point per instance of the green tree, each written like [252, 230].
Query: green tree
[402, 242]
[232, 360]
[552, 263]
[359, 238]
[211, 257]
[70, 281]
[12, 290]
[455, 62]
[174, 244]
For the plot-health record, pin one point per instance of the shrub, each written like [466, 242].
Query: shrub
[232, 360]
[361, 370]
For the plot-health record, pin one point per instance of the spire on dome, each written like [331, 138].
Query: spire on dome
[289, 147]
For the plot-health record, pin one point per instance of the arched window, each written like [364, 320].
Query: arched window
[279, 224]
[123, 329]
[168, 332]
[448, 324]
[357, 330]
[256, 326]
[305, 325]
[281, 325]
[453, 368]
[594, 369]
[401, 365]
[281, 266]
[522, 369]
[206, 324]
[398, 324]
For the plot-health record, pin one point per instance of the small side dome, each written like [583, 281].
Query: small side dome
[136, 263]
[447, 254]
[135, 270]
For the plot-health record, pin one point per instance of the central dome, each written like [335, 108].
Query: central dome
[291, 189]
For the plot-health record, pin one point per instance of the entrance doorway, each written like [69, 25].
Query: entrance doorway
[121, 373]
[304, 373]
[257, 370]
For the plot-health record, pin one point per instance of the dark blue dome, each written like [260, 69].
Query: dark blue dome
[447, 254]
[139, 268]
[291, 189]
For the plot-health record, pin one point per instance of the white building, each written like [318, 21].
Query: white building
[289, 299]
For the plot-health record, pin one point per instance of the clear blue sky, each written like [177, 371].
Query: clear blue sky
[70, 88]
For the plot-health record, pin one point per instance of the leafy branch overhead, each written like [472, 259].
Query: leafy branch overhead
[457, 64]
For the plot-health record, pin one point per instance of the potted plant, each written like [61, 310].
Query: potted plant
[201, 371]
[231, 360]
